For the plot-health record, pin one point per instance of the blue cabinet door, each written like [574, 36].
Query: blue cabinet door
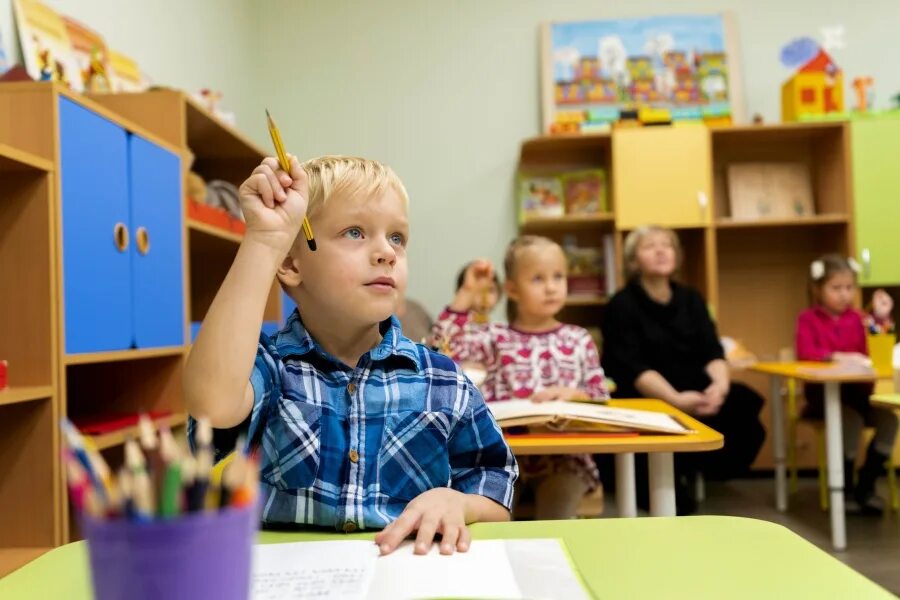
[96, 271]
[157, 254]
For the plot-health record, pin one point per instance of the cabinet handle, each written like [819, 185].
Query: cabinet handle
[142, 239]
[867, 263]
[702, 199]
[120, 237]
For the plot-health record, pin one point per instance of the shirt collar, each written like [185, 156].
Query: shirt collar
[822, 313]
[294, 339]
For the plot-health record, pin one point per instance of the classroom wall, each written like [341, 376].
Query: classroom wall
[442, 91]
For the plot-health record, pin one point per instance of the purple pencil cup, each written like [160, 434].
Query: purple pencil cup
[200, 555]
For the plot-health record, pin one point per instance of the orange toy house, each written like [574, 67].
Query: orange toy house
[817, 88]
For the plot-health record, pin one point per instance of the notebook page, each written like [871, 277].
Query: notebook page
[332, 570]
[482, 572]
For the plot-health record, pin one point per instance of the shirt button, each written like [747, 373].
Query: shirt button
[354, 456]
[349, 527]
[351, 388]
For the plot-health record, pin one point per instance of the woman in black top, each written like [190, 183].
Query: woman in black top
[660, 342]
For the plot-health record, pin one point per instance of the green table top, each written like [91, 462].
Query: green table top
[668, 557]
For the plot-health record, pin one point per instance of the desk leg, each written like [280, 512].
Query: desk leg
[835, 452]
[626, 496]
[662, 484]
[778, 446]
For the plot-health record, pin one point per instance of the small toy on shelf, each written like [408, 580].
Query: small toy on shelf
[210, 100]
[816, 88]
[96, 78]
[864, 89]
[4, 379]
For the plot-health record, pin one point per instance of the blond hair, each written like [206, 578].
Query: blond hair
[633, 241]
[518, 246]
[331, 175]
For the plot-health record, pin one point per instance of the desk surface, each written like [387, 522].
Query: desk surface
[814, 372]
[703, 438]
[671, 557]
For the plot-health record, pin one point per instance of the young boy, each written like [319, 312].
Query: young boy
[359, 428]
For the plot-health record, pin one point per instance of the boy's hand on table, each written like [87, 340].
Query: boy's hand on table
[274, 203]
[439, 510]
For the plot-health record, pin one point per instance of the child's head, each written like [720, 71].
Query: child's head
[484, 303]
[535, 269]
[651, 251]
[358, 212]
[833, 282]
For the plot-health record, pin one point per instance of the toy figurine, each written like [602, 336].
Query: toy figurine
[864, 93]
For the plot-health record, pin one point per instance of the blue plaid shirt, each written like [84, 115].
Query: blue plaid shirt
[349, 447]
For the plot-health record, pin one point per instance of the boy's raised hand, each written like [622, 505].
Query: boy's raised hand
[274, 203]
[439, 510]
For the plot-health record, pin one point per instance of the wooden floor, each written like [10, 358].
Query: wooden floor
[873, 544]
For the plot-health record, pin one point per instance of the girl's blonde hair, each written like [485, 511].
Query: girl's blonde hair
[330, 175]
[633, 242]
[518, 246]
[512, 262]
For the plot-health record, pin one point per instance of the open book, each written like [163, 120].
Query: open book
[581, 416]
[353, 570]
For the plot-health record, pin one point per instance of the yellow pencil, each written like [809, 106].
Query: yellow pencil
[286, 167]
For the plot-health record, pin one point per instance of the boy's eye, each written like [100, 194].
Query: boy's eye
[398, 239]
[354, 233]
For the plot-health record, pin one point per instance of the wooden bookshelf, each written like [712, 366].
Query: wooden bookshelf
[47, 382]
[201, 228]
[750, 272]
[218, 151]
[116, 438]
[813, 220]
[568, 222]
[14, 159]
[15, 395]
[30, 493]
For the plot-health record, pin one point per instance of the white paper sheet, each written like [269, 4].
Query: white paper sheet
[352, 570]
[338, 570]
[484, 571]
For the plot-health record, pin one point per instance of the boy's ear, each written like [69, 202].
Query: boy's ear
[289, 272]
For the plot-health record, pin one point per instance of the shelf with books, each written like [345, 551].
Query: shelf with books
[600, 220]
